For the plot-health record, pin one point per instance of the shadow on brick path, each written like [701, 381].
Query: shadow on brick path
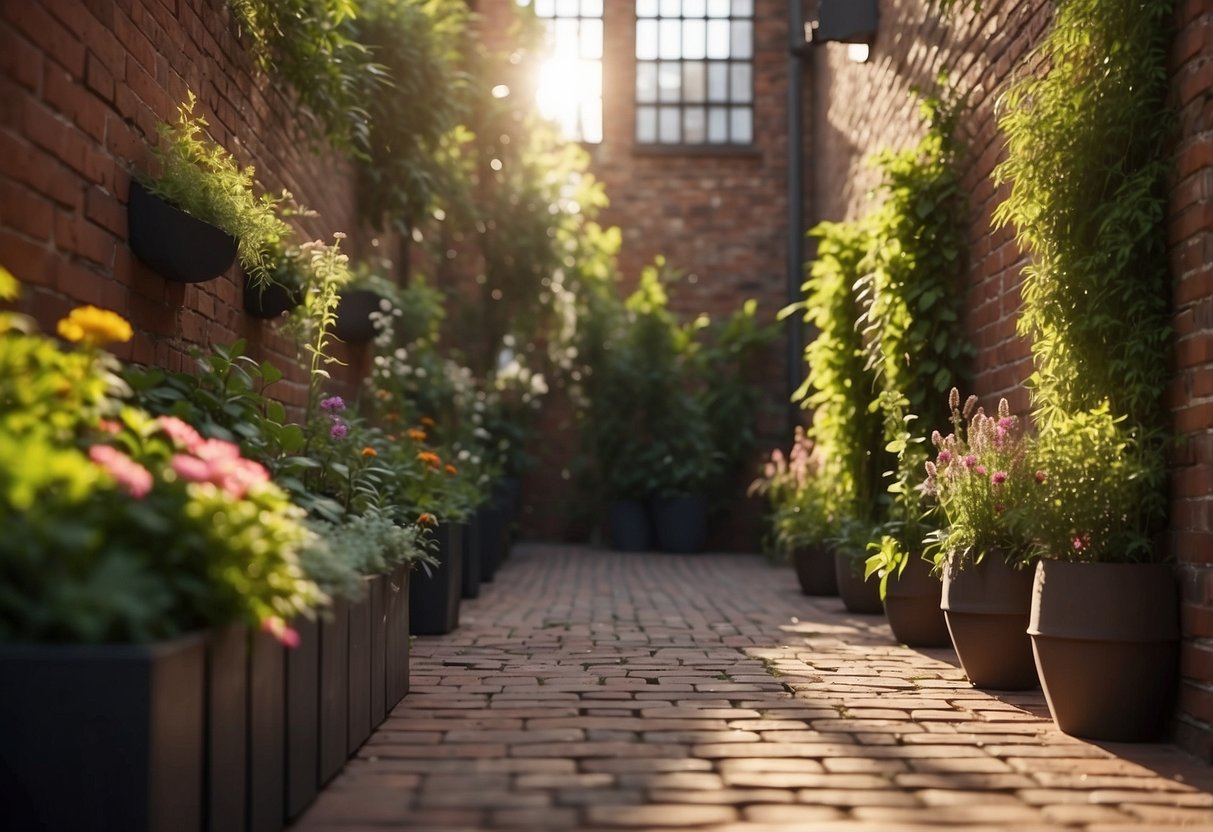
[597, 690]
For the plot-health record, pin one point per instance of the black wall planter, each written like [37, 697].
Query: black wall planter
[396, 639]
[354, 325]
[179, 247]
[334, 690]
[270, 301]
[471, 557]
[681, 523]
[266, 734]
[226, 728]
[99, 738]
[434, 598]
[629, 526]
[302, 717]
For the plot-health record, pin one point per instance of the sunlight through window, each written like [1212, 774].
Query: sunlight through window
[569, 87]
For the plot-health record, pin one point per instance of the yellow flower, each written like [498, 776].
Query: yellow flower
[94, 327]
[369, 451]
[8, 285]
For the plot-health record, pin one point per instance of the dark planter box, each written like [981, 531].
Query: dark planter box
[396, 639]
[629, 526]
[177, 246]
[334, 691]
[102, 738]
[681, 523]
[434, 598]
[266, 734]
[358, 698]
[815, 569]
[377, 588]
[226, 729]
[492, 539]
[269, 301]
[471, 557]
[302, 717]
[354, 325]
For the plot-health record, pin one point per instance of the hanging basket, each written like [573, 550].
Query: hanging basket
[179, 247]
[354, 324]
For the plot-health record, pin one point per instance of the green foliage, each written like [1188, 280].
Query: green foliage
[799, 496]
[201, 178]
[340, 555]
[309, 45]
[909, 292]
[1101, 493]
[1087, 162]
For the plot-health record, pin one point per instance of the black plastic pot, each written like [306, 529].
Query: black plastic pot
[681, 523]
[358, 699]
[471, 557]
[226, 728]
[178, 246]
[815, 569]
[105, 737]
[269, 301]
[334, 691]
[396, 637]
[354, 325]
[434, 598]
[302, 717]
[266, 734]
[629, 526]
[492, 539]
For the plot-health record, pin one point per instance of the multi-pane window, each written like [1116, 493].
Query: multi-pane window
[695, 72]
[570, 81]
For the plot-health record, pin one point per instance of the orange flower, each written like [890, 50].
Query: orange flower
[431, 459]
[383, 395]
[417, 434]
[452, 470]
[392, 417]
[427, 421]
[427, 519]
[369, 451]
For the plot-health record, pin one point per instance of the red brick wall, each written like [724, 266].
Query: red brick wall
[864, 108]
[83, 84]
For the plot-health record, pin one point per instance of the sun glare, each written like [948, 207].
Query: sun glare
[569, 91]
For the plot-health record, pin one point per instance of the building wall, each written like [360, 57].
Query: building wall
[863, 108]
[83, 84]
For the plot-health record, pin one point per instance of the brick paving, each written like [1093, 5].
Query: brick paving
[593, 690]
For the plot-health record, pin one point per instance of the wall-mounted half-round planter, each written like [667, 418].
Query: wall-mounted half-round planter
[269, 301]
[354, 324]
[179, 247]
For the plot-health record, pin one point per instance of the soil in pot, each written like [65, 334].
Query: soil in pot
[911, 604]
[816, 569]
[987, 606]
[178, 246]
[1106, 641]
[858, 595]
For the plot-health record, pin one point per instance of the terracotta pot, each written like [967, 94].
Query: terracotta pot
[857, 595]
[816, 569]
[987, 606]
[912, 605]
[1106, 641]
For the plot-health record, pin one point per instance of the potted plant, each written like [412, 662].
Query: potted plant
[367, 297]
[132, 537]
[192, 218]
[681, 465]
[1107, 664]
[858, 593]
[282, 288]
[980, 480]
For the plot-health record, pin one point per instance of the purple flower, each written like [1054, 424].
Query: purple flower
[969, 460]
[980, 470]
[945, 457]
[335, 404]
[999, 477]
[339, 430]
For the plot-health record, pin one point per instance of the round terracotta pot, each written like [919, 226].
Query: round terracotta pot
[987, 606]
[857, 594]
[911, 603]
[1106, 641]
[816, 569]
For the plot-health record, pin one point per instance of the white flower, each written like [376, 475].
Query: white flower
[420, 371]
[481, 433]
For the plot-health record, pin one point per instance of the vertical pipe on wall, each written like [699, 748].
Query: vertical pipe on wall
[796, 229]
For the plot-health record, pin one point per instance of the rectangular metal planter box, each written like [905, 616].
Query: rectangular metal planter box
[334, 691]
[434, 598]
[358, 698]
[377, 588]
[104, 737]
[471, 557]
[492, 539]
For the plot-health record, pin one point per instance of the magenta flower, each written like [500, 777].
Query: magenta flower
[999, 477]
[339, 430]
[132, 476]
[980, 470]
[334, 404]
[220, 463]
[969, 460]
[1079, 543]
[945, 457]
[278, 628]
[180, 432]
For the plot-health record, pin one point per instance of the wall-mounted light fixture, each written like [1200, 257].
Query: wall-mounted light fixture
[852, 22]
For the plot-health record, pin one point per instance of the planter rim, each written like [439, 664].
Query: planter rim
[112, 651]
[161, 248]
[1133, 602]
[992, 587]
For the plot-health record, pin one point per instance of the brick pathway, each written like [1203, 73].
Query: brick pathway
[594, 690]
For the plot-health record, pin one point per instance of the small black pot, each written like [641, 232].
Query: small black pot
[629, 526]
[270, 301]
[178, 246]
[681, 523]
[434, 598]
[354, 324]
[102, 737]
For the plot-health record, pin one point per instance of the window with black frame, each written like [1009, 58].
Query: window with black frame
[694, 72]
[569, 86]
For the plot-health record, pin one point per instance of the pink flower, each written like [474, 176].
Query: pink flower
[278, 629]
[334, 404]
[980, 470]
[1041, 476]
[969, 460]
[945, 457]
[220, 463]
[1079, 543]
[339, 430]
[999, 477]
[109, 426]
[129, 474]
[181, 433]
